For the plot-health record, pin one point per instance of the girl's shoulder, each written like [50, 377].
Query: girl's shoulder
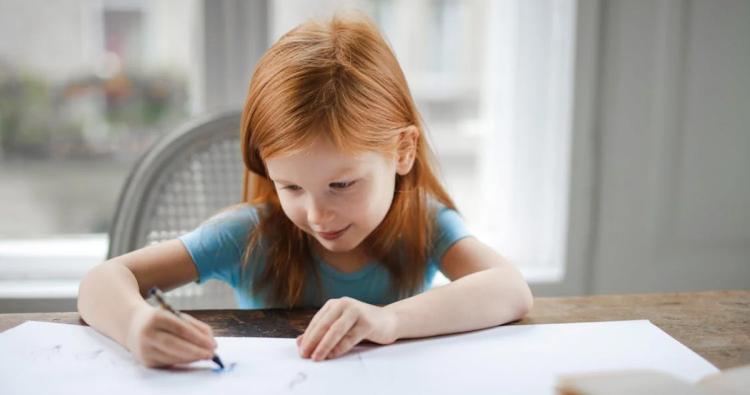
[242, 212]
[218, 244]
[449, 228]
[234, 221]
[441, 213]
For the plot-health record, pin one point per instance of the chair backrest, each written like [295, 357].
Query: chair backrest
[186, 177]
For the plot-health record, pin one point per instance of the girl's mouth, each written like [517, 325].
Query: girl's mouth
[334, 235]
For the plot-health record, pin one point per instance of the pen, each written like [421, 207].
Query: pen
[156, 292]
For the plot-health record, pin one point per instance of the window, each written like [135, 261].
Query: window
[84, 91]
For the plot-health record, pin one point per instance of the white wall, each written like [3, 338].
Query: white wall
[670, 160]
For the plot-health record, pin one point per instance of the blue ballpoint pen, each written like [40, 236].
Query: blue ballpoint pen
[156, 292]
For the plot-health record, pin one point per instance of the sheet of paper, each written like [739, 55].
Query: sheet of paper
[39, 357]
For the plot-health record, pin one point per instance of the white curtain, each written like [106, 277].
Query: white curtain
[524, 161]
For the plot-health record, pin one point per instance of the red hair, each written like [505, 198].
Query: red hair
[338, 79]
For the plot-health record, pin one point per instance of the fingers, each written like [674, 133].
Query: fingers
[355, 335]
[335, 329]
[334, 334]
[317, 317]
[202, 326]
[178, 340]
[175, 350]
[341, 324]
[320, 323]
[157, 359]
[186, 330]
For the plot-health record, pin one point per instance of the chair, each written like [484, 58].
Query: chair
[187, 176]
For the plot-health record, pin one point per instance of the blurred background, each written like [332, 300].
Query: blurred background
[602, 146]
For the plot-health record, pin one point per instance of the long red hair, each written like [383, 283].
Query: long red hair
[340, 79]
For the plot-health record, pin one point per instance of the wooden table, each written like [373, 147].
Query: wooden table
[716, 325]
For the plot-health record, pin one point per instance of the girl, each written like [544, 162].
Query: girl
[342, 210]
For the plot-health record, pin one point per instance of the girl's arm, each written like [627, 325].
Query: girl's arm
[485, 291]
[111, 299]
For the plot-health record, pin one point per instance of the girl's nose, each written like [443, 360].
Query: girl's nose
[318, 214]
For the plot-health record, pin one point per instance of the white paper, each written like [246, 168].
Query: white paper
[40, 357]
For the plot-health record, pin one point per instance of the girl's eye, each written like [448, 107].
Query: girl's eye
[292, 187]
[341, 185]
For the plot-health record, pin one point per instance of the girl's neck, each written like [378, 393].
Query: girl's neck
[347, 262]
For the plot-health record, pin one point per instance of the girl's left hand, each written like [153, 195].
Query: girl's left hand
[343, 323]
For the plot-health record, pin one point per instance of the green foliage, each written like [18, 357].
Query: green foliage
[41, 119]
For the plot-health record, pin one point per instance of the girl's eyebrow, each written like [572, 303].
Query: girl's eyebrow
[339, 175]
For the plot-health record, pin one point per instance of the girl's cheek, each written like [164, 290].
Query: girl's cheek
[299, 216]
[293, 210]
[356, 202]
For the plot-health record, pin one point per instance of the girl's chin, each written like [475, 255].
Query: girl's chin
[336, 245]
[343, 244]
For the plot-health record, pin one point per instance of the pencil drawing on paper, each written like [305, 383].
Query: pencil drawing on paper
[47, 352]
[298, 379]
[89, 354]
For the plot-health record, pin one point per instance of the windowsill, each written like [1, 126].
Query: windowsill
[48, 268]
[542, 275]
[39, 289]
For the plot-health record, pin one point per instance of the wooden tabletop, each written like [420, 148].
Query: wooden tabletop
[715, 325]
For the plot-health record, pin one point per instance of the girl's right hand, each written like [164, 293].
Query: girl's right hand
[158, 338]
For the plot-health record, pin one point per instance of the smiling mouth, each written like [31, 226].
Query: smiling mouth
[333, 235]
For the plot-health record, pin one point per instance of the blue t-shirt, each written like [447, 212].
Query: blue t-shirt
[217, 247]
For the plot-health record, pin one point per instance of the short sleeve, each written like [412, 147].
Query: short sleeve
[450, 229]
[218, 244]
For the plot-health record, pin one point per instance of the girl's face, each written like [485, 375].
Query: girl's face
[335, 197]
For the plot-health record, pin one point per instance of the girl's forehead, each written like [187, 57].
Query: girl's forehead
[321, 159]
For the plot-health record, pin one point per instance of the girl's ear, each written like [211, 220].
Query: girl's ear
[407, 150]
